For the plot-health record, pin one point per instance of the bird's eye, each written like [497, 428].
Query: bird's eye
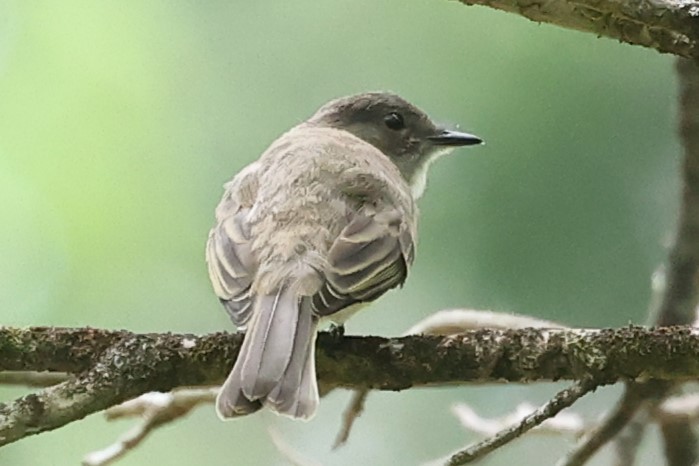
[394, 121]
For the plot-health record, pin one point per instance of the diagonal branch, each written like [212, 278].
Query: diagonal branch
[135, 364]
[155, 409]
[562, 400]
[664, 25]
[613, 423]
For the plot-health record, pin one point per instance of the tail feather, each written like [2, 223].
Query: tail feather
[271, 342]
[296, 394]
[306, 400]
[276, 364]
[231, 402]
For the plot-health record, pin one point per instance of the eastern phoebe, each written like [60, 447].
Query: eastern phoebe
[322, 223]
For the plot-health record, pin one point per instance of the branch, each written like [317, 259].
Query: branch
[353, 410]
[106, 376]
[564, 423]
[155, 409]
[682, 291]
[681, 294]
[562, 400]
[628, 440]
[608, 429]
[681, 408]
[668, 26]
[140, 363]
[677, 303]
[445, 322]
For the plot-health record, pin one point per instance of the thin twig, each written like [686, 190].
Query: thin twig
[352, 412]
[565, 423]
[156, 409]
[560, 401]
[452, 321]
[681, 406]
[685, 407]
[632, 399]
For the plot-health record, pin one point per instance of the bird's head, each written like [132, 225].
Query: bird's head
[397, 128]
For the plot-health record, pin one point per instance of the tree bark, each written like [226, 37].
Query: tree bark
[110, 367]
[666, 26]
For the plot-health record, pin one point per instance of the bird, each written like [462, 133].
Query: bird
[324, 222]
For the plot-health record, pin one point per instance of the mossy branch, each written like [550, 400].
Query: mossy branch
[110, 367]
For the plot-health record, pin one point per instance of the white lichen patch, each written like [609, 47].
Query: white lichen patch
[189, 343]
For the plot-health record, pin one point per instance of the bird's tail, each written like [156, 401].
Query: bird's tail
[276, 363]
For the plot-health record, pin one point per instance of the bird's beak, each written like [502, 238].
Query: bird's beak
[454, 138]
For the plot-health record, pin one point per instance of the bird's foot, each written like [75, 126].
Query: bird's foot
[336, 331]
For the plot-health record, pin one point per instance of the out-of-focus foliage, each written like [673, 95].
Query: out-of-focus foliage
[120, 121]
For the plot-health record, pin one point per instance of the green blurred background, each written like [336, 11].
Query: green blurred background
[120, 121]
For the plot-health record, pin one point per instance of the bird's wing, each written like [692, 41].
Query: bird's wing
[228, 250]
[370, 256]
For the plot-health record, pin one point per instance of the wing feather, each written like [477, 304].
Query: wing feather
[229, 252]
[370, 256]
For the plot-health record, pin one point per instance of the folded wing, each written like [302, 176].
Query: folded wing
[370, 256]
[228, 251]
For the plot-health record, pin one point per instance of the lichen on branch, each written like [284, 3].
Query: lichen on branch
[666, 26]
[110, 367]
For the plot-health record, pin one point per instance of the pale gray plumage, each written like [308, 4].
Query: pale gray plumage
[324, 221]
